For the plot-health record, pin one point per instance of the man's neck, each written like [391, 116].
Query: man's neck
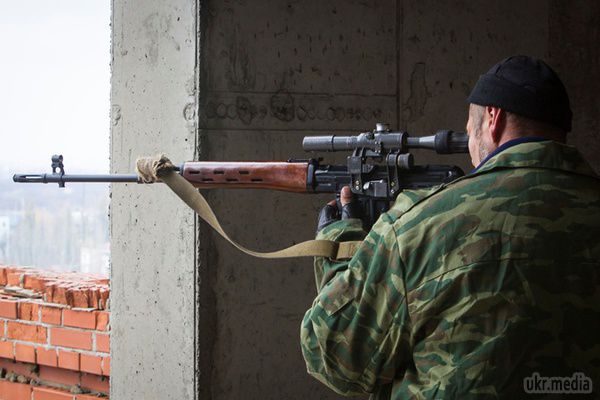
[507, 144]
[515, 133]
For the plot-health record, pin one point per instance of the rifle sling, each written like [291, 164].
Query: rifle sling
[310, 248]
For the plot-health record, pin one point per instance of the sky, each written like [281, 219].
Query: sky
[54, 85]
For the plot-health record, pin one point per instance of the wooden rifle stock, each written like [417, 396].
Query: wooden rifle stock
[290, 176]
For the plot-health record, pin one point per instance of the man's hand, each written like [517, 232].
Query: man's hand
[331, 213]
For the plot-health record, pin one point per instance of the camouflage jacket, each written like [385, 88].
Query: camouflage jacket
[465, 290]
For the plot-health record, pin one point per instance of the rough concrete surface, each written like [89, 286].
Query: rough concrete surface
[152, 233]
[574, 52]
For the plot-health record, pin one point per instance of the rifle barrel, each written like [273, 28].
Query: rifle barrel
[58, 178]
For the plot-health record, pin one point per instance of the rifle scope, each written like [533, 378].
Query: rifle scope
[443, 142]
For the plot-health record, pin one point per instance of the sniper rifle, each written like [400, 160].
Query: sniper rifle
[379, 168]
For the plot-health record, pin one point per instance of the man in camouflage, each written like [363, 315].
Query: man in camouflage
[465, 290]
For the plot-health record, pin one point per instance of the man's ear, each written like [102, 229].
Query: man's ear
[496, 122]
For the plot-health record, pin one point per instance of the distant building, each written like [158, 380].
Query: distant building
[95, 258]
[4, 237]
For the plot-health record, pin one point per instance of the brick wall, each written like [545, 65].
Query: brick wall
[54, 335]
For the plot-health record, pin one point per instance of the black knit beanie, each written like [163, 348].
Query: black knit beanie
[526, 86]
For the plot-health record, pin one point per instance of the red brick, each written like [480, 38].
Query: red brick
[106, 366]
[51, 315]
[71, 338]
[104, 296]
[95, 383]
[47, 357]
[14, 278]
[2, 275]
[34, 281]
[91, 364]
[40, 393]
[8, 309]
[28, 333]
[101, 280]
[94, 297]
[79, 319]
[59, 294]
[89, 397]
[29, 311]
[68, 360]
[14, 391]
[12, 269]
[6, 350]
[49, 292]
[25, 353]
[102, 320]
[81, 297]
[103, 343]
[58, 375]
[69, 295]
[18, 368]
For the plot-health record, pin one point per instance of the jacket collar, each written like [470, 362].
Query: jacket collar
[536, 153]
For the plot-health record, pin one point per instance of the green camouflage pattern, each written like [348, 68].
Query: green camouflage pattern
[464, 290]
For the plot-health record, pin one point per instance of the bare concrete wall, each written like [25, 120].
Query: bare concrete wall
[573, 50]
[152, 234]
[447, 45]
[274, 71]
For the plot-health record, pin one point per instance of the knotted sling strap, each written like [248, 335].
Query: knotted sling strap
[160, 169]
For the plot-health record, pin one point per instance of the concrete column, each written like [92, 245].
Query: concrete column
[154, 93]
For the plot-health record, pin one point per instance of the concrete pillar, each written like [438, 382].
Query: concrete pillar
[154, 93]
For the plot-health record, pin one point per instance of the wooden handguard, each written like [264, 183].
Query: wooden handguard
[285, 176]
